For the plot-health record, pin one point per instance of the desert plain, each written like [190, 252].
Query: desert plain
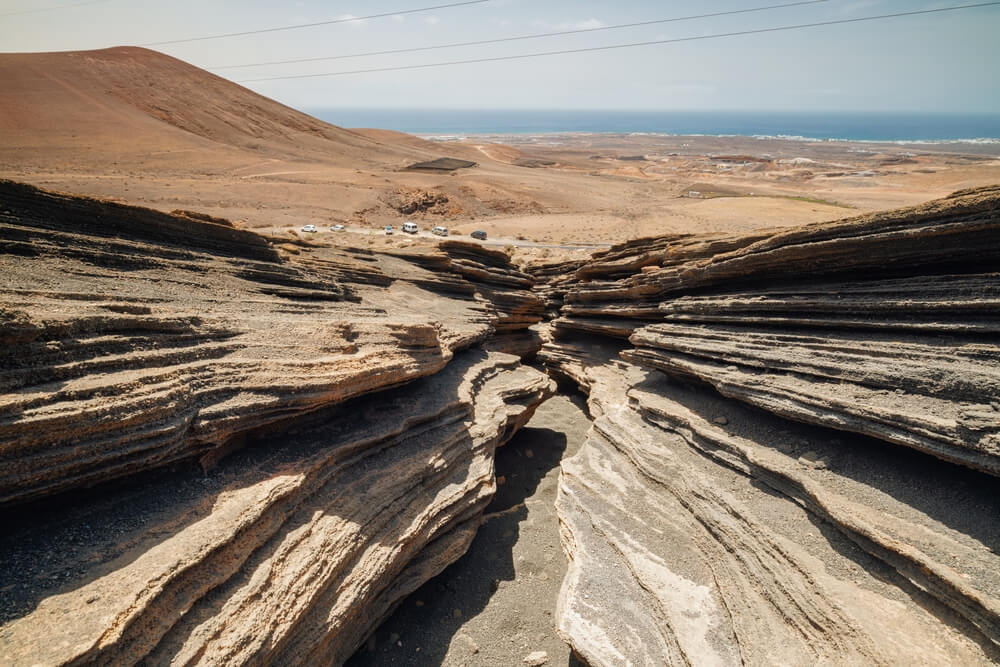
[137, 127]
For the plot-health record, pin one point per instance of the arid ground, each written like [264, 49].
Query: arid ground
[139, 127]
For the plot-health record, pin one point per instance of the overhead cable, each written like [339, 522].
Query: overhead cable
[313, 25]
[623, 46]
[520, 37]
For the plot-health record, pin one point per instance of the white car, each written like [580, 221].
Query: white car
[410, 227]
[440, 231]
[388, 230]
[337, 228]
[310, 229]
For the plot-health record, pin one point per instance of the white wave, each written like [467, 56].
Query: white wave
[762, 137]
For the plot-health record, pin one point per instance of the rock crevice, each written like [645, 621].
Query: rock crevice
[793, 457]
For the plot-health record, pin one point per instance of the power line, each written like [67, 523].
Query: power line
[625, 46]
[513, 39]
[50, 9]
[313, 25]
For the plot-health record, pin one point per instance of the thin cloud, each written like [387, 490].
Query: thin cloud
[580, 25]
[352, 20]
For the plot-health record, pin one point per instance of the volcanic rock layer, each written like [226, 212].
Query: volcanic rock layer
[341, 404]
[217, 447]
[795, 447]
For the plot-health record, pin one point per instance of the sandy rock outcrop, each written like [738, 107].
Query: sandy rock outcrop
[292, 551]
[499, 282]
[795, 444]
[266, 452]
[133, 339]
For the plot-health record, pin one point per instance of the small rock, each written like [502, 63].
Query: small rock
[536, 658]
[501, 480]
[472, 646]
[457, 613]
[419, 603]
[722, 421]
[393, 638]
[813, 459]
[529, 453]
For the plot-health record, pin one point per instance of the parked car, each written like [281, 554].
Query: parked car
[440, 231]
[478, 234]
[388, 230]
[337, 228]
[310, 229]
[410, 227]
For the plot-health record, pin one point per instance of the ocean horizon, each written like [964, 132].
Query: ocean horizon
[896, 127]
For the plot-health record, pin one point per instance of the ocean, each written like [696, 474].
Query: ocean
[816, 126]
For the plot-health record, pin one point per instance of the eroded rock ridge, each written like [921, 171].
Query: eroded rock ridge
[233, 449]
[223, 448]
[795, 446]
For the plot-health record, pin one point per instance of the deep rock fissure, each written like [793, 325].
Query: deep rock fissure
[793, 473]
[496, 604]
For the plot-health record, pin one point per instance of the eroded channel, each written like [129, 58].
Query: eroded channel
[496, 604]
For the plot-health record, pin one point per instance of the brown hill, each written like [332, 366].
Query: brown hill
[129, 98]
[144, 128]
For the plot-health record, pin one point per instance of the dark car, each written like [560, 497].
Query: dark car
[478, 234]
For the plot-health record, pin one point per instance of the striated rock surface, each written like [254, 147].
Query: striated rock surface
[497, 281]
[342, 401]
[795, 444]
[291, 552]
[762, 541]
[223, 448]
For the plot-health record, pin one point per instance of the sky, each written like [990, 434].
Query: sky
[934, 62]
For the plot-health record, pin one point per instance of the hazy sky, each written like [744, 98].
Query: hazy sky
[937, 62]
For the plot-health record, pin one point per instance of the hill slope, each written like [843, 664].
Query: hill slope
[135, 97]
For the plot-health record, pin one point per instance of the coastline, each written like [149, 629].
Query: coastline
[905, 128]
[499, 137]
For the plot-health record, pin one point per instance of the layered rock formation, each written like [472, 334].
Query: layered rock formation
[223, 448]
[795, 445]
[340, 403]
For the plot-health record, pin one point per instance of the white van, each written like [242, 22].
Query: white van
[410, 227]
[440, 231]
